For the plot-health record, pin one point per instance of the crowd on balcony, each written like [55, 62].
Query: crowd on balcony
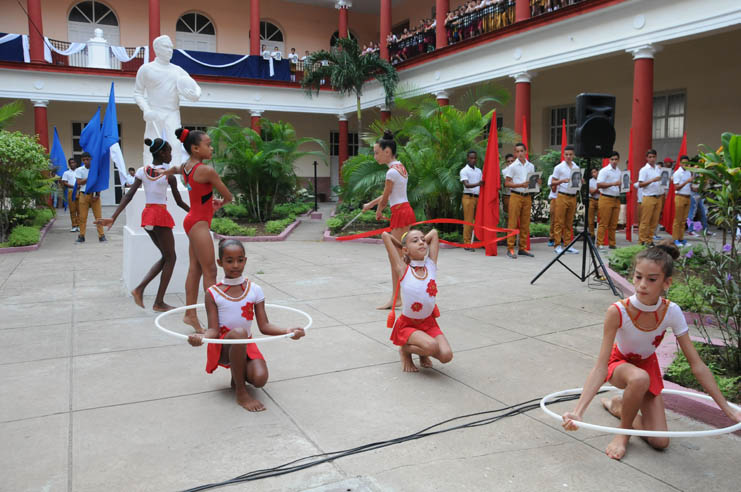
[409, 43]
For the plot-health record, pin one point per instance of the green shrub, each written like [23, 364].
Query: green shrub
[453, 237]
[680, 372]
[692, 295]
[235, 210]
[42, 216]
[285, 210]
[24, 236]
[277, 226]
[621, 259]
[227, 227]
[540, 230]
[335, 223]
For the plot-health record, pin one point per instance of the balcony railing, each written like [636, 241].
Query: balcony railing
[81, 58]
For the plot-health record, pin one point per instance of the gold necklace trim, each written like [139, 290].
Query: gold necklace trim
[230, 298]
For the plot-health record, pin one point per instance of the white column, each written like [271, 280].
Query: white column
[98, 52]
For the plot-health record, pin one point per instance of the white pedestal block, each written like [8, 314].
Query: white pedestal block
[140, 253]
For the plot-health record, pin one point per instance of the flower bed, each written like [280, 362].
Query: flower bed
[235, 224]
[27, 238]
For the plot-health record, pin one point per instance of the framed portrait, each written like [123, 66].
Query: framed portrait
[666, 176]
[625, 182]
[532, 182]
[575, 181]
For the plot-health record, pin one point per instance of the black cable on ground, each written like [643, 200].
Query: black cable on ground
[318, 459]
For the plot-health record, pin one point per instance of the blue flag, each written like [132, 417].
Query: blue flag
[58, 159]
[110, 137]
[99, 145]
[90, 140]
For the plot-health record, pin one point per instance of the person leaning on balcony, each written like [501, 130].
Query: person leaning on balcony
[276, 54]
[520, 202]
[265, 52]
[471, 177]
[608, 183]
[87, 200]
[649, 180]
[68, 182]
[682, 179]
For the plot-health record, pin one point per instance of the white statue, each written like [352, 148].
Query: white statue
[159, 85]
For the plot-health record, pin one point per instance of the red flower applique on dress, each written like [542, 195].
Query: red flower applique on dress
[248, 311]
[633, 358]
[432, 288]
[417, 307]
[658, 339]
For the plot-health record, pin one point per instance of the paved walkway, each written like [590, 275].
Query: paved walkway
[95, 398]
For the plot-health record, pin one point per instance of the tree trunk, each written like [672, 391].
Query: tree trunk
[360, 121]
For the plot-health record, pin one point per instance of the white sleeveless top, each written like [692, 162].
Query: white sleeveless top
[237, 312]
[155, 188]
[397, 174]
[417, 293]
[631, 339]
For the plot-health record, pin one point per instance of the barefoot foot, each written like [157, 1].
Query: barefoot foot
[248, 403]
[425, 361]
[407, 365]
[193, 322]
[137, 295]
[616, 448]
[613, 405]
[162, 307]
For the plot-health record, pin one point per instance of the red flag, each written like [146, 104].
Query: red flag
[564, 137]
[487, 211]
[669, 207]
[630, 197]
[605, 162]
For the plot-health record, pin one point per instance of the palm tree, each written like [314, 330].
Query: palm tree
[347, 70]
[8, 112]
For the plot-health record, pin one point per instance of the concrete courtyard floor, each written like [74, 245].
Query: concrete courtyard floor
[95, 398]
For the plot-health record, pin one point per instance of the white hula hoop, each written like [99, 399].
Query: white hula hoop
[230, 341]
[639, 432]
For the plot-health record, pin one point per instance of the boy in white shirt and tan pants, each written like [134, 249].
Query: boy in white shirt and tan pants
[649, 180]
[608, 184]
[471, 178]
[682, 179]
[520, 202]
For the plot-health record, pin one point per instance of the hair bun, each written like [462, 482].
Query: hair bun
[178, 132]
[669, 248]
[388, 135]
[148, 142]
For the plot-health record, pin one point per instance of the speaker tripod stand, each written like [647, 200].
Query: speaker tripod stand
[588, 247]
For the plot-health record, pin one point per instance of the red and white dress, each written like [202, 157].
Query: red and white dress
[638, 346]
[402, 214]
[155, 189]
[419, 292]
[234, 313]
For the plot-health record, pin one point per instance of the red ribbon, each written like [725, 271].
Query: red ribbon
[477, 244]
[184, 135]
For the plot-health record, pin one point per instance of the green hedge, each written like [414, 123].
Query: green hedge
[692, 295]
[235, 210]
[42, 217]
[24, 236]
[285, 210]
[680, 372]
[540, 230]
[277, 226]
[621, 259]
[227, 227]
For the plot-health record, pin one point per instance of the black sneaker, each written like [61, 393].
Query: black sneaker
[511, 254]
[524, 252]
[80, 239]
[102, 239]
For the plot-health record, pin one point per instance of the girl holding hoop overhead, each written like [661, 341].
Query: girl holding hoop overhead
[156, 220]
[394, 194]
[416, 331]
[200, 179]
[633, 330]
[231, 306]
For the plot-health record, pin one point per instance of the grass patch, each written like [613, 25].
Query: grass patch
[679, 372]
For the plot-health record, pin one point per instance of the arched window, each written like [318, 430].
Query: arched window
[86, 17]
[271, 36]
[195, 31]
[336, 36]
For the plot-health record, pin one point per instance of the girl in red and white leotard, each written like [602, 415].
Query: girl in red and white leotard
[394, 194]
[232, 305]
[201, 180]
[156, 220]
[416, 331]
[633, 331]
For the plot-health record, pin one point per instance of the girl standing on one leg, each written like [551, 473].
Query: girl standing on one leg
[394, 194]
[200, 179]
[416, 331]
[231, 306]
[156, 220]
[633, 330]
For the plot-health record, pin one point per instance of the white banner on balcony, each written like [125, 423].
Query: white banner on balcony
[24, 42]
[185, 53]
[74, 48]
[120, 53]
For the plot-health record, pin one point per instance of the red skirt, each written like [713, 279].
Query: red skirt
[650, 364]
[402, 215]
[404, 327]
[213, 353]
[156, 214]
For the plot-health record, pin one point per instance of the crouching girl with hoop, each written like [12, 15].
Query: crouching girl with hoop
[633, 330]
[231, 306]
[416, 331]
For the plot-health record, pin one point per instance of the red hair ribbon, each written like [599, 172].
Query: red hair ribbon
[184, 135]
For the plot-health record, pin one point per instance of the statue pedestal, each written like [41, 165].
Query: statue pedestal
[140, 253]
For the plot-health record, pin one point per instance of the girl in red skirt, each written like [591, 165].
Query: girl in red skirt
[416, 331]
[231, 305]
[394, 194]
[156, 220]
[633, 330]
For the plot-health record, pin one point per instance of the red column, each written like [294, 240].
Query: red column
[344, 151]
[40, 124]
[385, 27]
[643, 104]
[35, 31]
[255, 27]
[441, 35]
[522, 10]
[385, 116]
[255, 120]
[442, 98]
[522, 102]
[154, 25]
[343, 22]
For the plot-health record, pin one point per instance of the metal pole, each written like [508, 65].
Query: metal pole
[316, 190]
